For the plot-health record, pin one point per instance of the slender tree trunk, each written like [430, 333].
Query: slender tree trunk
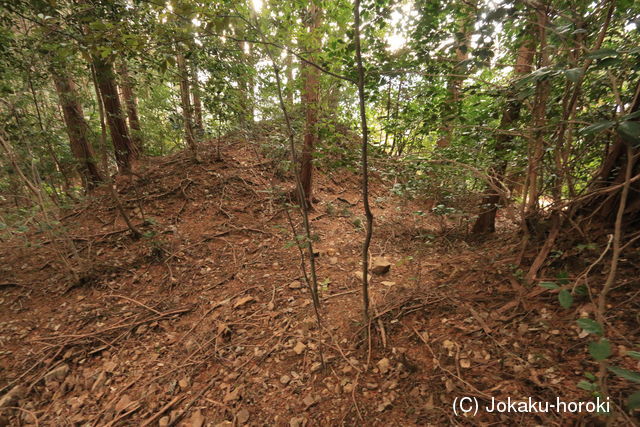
[198, 123]
[290, 87]
[310, 96]
[365, 165]
[131, 104]
[451, 107]
[539, 116]
[486, 222]
[77, 130]
[187, 114]
[124, 149]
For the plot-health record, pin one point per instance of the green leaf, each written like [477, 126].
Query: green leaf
[630, 116]
[565, 298]
[600, 350]
[586, 385]
[633, 401]
[574, 74]
[590, 376]
[590, 326]
[602, 53]
[630, 132]
[548, 285]
[597, 127]
[634, 354]
[625, 373]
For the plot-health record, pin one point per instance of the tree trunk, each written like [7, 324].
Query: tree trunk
[185, 99]
[124, 149]
[486, 222]
[77, 130]
[539, 117]
[451, 107]
[310, 93]
[131, 104]
[198, 123]
[290, 87]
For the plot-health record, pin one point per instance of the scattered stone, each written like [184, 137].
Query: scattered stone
[242, 416]
[348, 388]
[184, 383]
[231, 396]
[110, 366]
[285, 379]
[380, 265]
[309, 401]
[196, 420]
[295, 285]
[163, 422]
[242, 301]
[465, 363]
[359, 275]
[333, 260]
[57, 374]
[299, 348]
[298, 422]
[384, 365]
[124, 402]
[12, 396]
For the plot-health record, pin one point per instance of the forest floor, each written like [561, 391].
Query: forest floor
[207, 318]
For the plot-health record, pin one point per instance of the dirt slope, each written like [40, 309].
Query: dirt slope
[207, 318]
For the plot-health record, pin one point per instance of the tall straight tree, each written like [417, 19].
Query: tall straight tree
[131, 104]
[310, 98]
[124, 148]
[185, 100]
[76, 127]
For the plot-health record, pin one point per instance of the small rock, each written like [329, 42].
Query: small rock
[196, 420]
[384, 365]
[380, 265]
[309, 401]
[298, 422]
[184, 383]
[163, 422]
[285, 379]
[242, 416]
[242, 301]
[359, 275]
[123, 403]
[299, 348]
[333, 260]
[12, 396]
[57, 374]
[295, 285]
[231, 396]
[348, 388]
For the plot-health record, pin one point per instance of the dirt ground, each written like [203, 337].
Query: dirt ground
[206, 319]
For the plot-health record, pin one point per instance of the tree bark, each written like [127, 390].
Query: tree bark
[124, 149]
[198, 123]
[486, 222]
[77, 130]
[539, 117]
[131, 104]
[310, 96]
[185, 99]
